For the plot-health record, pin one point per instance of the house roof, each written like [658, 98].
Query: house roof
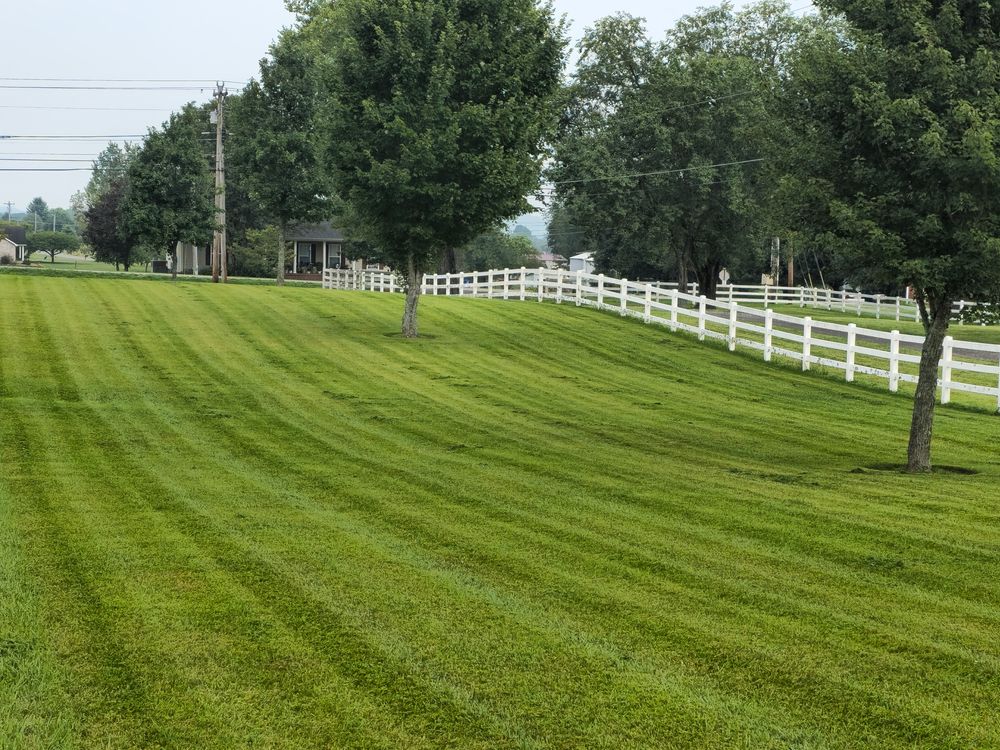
[583, 256]
[322, 232]
[17, 235]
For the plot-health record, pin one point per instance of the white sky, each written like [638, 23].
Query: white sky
[152, 39]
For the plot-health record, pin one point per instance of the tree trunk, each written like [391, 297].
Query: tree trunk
[449, 262]
[281, 256]
[936, 315]
[413, 283]
[682, 272]
[708, 279]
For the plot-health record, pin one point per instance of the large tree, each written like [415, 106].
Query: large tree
[658, 164]
[38, 211]
[439, 111]
[898, 124]
[52, 243]
[105, 229]
[274, 145]
[169, 194]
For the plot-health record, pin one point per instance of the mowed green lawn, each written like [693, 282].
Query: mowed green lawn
[250, 517]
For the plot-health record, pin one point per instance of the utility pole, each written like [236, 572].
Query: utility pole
[219, 254]
[10, 206]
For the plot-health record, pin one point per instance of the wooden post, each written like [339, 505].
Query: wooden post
[673, 309]
[732, 327]
[898, 310]
[540, 286]
[802, 297]
[701, 317]
[647, 313]
[894, 362]
[559, 286]
[768, 335]
[807, 326]
[852, 343]
[600, 290]
[878, 307]
[506, 283]
[765, 296]
[524, 281]
[947, 357]
[579, 288]
[623, 288]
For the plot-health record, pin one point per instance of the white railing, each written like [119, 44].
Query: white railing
[965, 366]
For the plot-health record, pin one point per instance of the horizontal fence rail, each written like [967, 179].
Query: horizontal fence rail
[733, 317]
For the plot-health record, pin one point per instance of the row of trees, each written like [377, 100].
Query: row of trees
[869, 135]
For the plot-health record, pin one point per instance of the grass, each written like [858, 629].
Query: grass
[967, 332]
[243, 516]
[73, 263]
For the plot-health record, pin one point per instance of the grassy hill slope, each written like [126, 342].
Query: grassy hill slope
[244, 516]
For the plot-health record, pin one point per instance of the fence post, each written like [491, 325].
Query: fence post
[807, 330]
[998, 393]
[647, 313]
[765, 296]
[559, 286]
[961, 309]
[852, 343]
[392, 283]
[600, 291]
[894, 361]
[802, 297]
[732, 326]
[860, 302]
[768, 335]
[843, 300]
[673, 309]
[524, 281]
[947, 357]
[579, 288]
[540, 286]
[701, 317]
[878, 307]
[897, 309]
[623, 288]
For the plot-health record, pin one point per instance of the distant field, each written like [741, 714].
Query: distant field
[984, 334]
[245, 516]
[63, 262]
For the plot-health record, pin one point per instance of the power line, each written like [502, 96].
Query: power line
[89, 109]
[82, 161]
[657, 172]
[61, 87]
[211, 80]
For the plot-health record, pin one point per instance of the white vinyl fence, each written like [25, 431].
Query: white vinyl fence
[966, 366]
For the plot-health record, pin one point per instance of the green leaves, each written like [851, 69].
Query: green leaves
[438, 115]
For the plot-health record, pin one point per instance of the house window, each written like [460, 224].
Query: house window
[333, 255]
[305, 254]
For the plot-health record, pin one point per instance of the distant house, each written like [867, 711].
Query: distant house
[193, 259]
[319, 247]
[582, 262]
[13, 244]
[552, 260]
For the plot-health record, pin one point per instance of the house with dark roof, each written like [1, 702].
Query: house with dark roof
[13, 244]
[318, 247]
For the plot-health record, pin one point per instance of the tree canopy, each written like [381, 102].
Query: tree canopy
[437, 119]
[896, 159]
[169, 193]
[274, 144]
